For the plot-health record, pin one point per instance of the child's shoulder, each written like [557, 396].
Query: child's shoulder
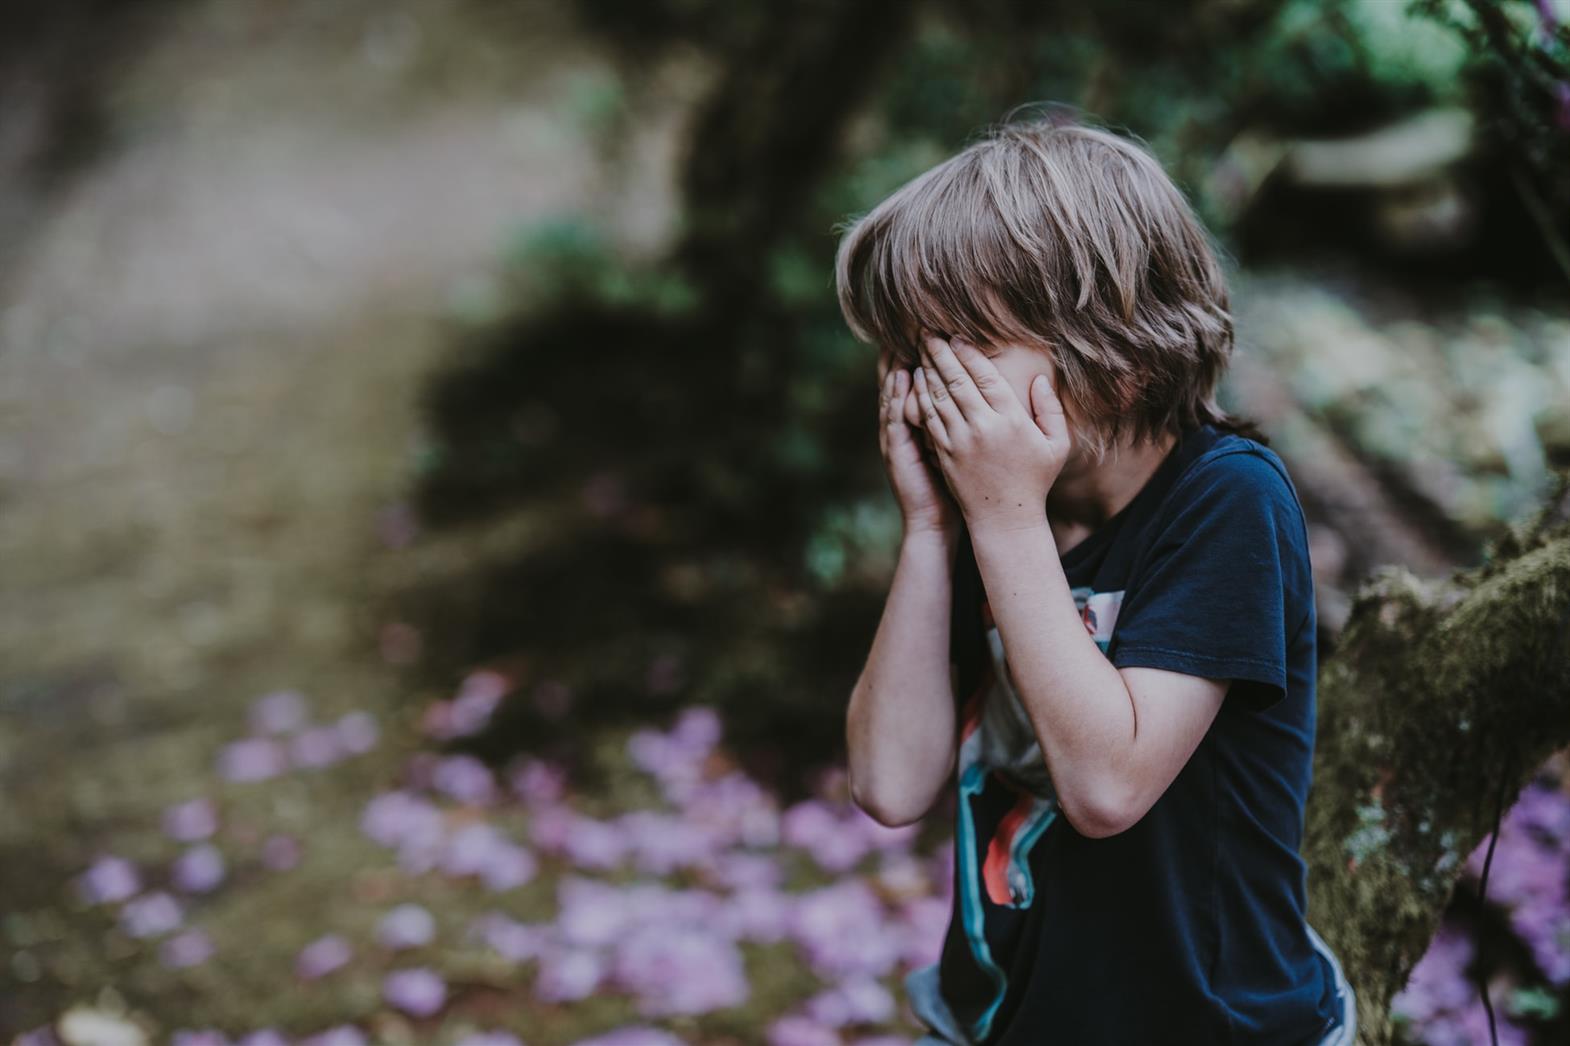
[1237, 474]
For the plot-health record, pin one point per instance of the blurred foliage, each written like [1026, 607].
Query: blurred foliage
[709, 415]
[1521, 74]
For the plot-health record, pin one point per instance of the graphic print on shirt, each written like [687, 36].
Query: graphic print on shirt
[998, 748]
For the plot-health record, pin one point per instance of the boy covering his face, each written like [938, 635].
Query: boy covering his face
[1101, 628]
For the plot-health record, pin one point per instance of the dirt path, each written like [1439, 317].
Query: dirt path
[210, 354]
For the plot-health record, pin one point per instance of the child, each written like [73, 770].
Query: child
[1101, 627]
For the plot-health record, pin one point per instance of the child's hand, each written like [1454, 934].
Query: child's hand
[999, 456]
[924, 502]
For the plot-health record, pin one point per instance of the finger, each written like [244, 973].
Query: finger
[1047, 409]
[935, 422]
[885, 394]
[953, 376]
[883, 363]
[984, 373]
[893, 397]
[891, 420]
[953, 417]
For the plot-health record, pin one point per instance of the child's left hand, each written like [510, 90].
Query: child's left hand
[999, 456]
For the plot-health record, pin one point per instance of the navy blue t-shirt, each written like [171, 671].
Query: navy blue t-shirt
[1190, 926]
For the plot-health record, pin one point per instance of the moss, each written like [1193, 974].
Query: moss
[1440, 693]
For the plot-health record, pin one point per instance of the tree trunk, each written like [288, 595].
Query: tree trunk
[1439, 703]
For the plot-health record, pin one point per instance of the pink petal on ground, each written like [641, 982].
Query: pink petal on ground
[191, 821]
[662, 843]
[881, 836]
[738, 871]
[42, 1036]
[923, 922]
[322, 956]
[698, 729]
[187, 948]
[342, 1035]
[465, 779]
[469, 849]
[836, 842]
[512, 940]
[831, 783]
[109, 879]
[280, 712]
[436, 720]
[680, 971]
[399, 818]
[568, 975]
[550, 827]
[417, 991]
[1438, 983]
[942, 868]
[199, 870]
[590, 913]
[263, 1037]
[856, 1000]
[594, 844]
[507, 868]
[759, 914]
[793, 1030]
[903, 875]
[317, 747]
[735, 807]
[633, 1035]
[406, 926]
[251, 759]
[358, 732]
[536, 781]
[151, 915]
[471, 710]
[840, 929]
[677, 767]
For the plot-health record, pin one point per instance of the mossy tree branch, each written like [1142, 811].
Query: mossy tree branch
[1439, 696]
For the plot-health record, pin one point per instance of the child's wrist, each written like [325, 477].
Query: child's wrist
[927, 534]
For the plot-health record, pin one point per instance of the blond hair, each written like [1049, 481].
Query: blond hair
[1064, 237]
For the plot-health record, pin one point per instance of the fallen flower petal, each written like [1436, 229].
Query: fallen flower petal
[199, 870]
[191, 821]
[418, 991]
[187, 948]
[322, 956]
[251, 759]
[151, 915]
[407, 926]
[108, 880]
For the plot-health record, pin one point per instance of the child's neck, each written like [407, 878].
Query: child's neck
[1086, 495]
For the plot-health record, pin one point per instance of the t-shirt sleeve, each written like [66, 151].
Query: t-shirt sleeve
[1226, 583]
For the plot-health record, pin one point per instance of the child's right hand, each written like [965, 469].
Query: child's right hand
[923, 496]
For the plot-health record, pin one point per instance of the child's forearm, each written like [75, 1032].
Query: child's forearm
[900, 725]
[1083, 714]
